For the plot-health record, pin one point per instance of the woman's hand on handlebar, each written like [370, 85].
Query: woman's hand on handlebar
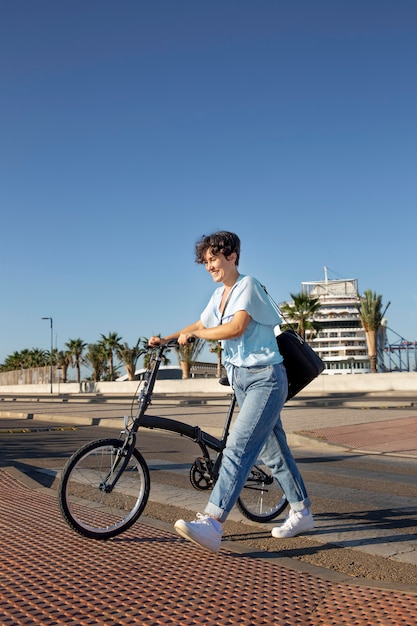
[185, 338]
[156, 341]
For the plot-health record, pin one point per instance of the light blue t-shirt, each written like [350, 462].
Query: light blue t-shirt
[257, 345]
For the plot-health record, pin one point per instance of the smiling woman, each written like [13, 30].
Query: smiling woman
[241, 316]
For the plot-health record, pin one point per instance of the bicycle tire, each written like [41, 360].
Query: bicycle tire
[261, 499]
[84, 503]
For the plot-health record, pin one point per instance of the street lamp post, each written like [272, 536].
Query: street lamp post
[52, 345]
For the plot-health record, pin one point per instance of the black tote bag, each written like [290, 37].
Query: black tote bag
[301, 362]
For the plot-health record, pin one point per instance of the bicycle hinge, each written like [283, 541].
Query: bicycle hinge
[197, 433]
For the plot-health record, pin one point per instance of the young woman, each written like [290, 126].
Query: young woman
[241, 316]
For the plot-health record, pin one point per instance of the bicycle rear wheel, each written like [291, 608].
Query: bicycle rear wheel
[261, 499]
[89, 504]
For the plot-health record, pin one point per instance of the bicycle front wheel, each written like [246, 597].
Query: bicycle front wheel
[92, 502]
[261, 499]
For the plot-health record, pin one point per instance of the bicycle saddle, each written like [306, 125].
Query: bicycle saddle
[224, 381]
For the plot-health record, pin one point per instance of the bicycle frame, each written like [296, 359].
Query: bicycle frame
[203, 439]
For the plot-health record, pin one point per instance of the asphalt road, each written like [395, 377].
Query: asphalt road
[365, 505]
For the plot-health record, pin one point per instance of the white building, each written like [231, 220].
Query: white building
[341, 342]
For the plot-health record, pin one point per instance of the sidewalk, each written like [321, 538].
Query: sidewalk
[149, 575]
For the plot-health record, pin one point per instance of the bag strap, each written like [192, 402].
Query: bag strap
[278, 310]
[225, 305]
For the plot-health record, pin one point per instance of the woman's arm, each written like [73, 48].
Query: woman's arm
[235, 328]
[230, 330]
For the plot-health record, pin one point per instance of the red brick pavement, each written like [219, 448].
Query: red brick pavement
[397, 436]
[52, 576]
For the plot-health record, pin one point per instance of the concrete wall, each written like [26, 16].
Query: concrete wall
[348, 383]
[364, 383]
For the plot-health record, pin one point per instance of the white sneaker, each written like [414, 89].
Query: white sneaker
[295, 524]
[205, 531]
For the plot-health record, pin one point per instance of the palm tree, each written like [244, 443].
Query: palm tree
[97, 356]
[76, 349]
[216, 348]
[301, 313]
[129, 357]
[371, 316]
[187, 355]
[111, 343]
[26, 358]
[63, 360]
[39, 357]
[13, 362]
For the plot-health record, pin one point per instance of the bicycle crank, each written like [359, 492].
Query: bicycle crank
[200, 474]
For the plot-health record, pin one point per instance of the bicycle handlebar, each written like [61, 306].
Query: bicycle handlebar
[171, 343]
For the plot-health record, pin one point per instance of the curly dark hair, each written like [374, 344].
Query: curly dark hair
[222, 242]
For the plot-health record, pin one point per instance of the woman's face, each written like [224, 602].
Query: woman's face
[221, 269]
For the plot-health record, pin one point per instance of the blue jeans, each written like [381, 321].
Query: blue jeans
[257, 433]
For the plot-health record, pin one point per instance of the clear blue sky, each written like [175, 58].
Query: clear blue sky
[131, 128]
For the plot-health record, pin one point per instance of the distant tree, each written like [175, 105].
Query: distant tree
[39, 357]
[26, 358]
[97, 357]
[110, 344]
[36, 357]
[13, 362]
[76, 348]
[188, 354]
[301, 313]
[63, 360]
[215, 347]
[371, 316]
[129, 356]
